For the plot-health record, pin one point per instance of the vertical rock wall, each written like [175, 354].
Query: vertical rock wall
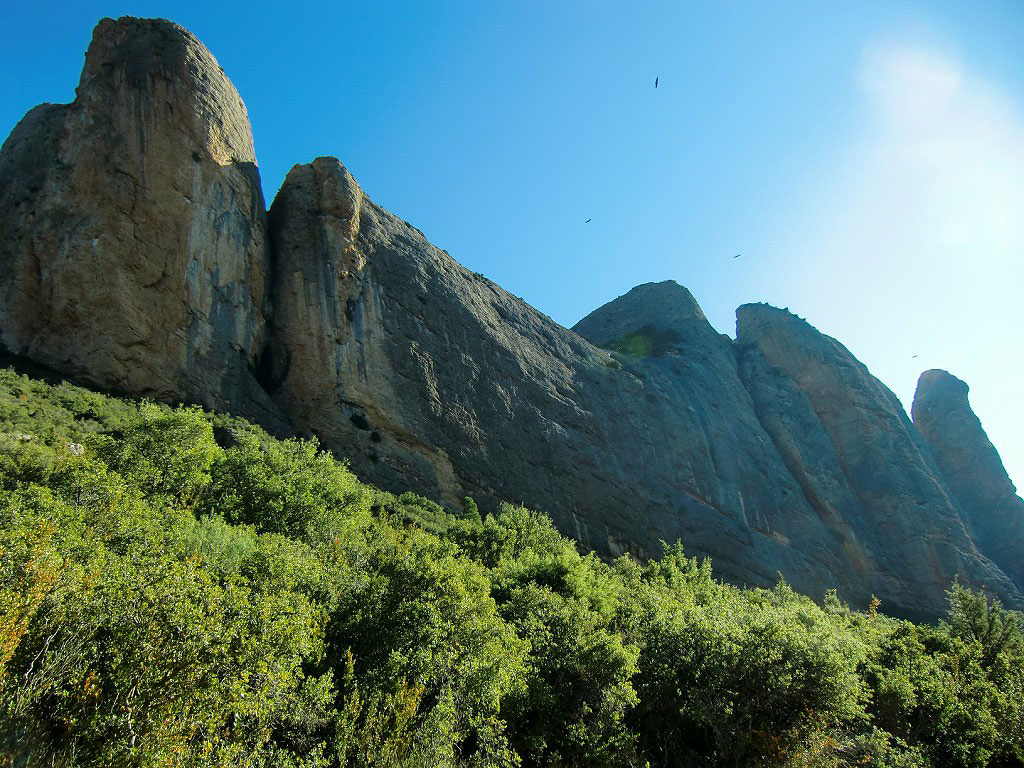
[132, 225]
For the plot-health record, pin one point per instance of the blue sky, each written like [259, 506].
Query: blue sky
[866, 159]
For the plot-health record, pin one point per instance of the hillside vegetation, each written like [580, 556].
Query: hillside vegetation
[177, 588]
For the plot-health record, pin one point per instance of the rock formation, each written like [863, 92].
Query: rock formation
[971, 466]
[436, 378]
[859, 460]
[132, 225]
[138, 256]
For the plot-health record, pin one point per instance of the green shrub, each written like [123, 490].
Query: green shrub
[287, 487]
[165, 454]
[648, 341]
[165, 601]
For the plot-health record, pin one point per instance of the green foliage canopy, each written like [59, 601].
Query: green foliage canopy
[165, 600]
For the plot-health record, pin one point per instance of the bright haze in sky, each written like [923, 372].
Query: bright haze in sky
[866, 161]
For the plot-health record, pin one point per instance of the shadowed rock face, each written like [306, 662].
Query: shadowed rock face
[972, 468]
[779, 452]
[138, 255]
[428, 376]
[132, 225]
[860, 461]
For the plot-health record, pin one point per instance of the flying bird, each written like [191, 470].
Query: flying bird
[736, 256]
[912, 357]
[587, 221]
[655, 82]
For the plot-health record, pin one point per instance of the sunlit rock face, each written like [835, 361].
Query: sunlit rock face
[138, 256]
[971, 465]
[132, 225]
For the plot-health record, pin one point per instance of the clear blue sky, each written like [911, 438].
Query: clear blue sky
[866, 159]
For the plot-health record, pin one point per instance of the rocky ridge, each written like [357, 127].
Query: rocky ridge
[138, 256]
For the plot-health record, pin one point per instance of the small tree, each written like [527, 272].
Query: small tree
[973, 617]
[166, 454]
[470, 511]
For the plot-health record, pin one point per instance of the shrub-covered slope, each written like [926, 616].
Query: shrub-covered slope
[178, 588]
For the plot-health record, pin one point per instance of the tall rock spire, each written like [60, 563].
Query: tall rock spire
[972, 468]
[132, 225]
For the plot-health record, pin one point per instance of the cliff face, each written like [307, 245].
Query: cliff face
[859, 460]
[431, 377]
[138, 256]
[132, 225]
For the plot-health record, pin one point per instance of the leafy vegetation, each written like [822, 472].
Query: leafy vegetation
[179, 589]
[648, 341]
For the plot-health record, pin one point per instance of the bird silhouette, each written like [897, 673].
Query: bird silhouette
[587, 221]
[912, 357]
[655, 82]
[736, 256]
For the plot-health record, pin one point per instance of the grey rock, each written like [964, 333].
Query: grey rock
[972, 468]
[861, 463]
[430, 377]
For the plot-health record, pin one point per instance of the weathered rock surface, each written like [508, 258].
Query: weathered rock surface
[720, 452]
[132, 225]
[860, 462]
[435, 378]
[137, 255]
[776, 453]
[972, 468]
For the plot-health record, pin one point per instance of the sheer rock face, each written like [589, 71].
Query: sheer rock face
[972, 468]
[707, 441]
[431, 377]
[137, 255]
[132, 225]
[860, 461]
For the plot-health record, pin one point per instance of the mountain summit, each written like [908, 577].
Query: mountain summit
[138, 256]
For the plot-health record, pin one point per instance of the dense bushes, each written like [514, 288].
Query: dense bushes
[165, 600]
